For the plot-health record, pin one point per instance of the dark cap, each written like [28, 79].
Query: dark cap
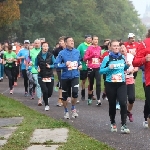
[86, 36]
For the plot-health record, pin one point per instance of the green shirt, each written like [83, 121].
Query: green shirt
[82, 48]
[8, 57]
[33, 54]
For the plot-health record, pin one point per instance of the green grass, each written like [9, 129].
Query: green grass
[35, 120]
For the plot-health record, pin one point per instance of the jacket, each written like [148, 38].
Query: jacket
[68, 55]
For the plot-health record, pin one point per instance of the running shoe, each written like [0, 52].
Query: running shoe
[104, 97]
[56, 89]
[99, 103]
[124, 129]
[15, 83]
[145, 124]
[74, 113]
[83, 98]
[130, 116]
[66, 116]
[39, 103]
[59, 103]
[11, 91]
[117, 106]
[46, 108]
[32, 97]
[89, 102]
[25, 94]
[78, 102]
[93, 98]
[113, 127]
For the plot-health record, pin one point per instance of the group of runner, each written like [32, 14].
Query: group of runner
[118, 62]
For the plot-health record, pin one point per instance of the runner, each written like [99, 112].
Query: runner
[1, 63]
[132, 46]
[33, 54]
[69, 61]
[141, 58]
[23, 53]
[56, 52]
[9, 62]
[130, 82]
[45, 64]
[83, 73]
[113, 66]
[93, 55]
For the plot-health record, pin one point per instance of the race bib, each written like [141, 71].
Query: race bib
[73, 65]
[132, 50]
[116, 77]
[9, 60]
[46, 79]
[95, 61]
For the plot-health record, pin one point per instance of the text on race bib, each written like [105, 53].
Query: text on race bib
[116, 77]
[73, 65]
[46, 79]
[95, 61]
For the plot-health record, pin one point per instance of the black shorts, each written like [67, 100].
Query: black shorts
[83, 74]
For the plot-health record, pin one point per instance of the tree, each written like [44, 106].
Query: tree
[9, 12]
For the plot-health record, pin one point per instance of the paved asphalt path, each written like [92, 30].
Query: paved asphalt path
[93, 120]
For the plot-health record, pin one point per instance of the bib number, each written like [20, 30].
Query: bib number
[73, 65]
[116, 78]
[95, 61]
[46, 79]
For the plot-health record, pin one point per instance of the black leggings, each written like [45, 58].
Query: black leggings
[47, 89]
[147, 102]
[24, 74]
[66, 84]
[16, 73]
[94, 73]
[117, 91]
[131, 93]
[10, 74]
[59, 77]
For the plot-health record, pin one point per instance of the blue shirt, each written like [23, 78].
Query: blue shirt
[117, 73]
[23, 52]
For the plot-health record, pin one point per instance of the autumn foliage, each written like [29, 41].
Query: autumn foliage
[9, 12]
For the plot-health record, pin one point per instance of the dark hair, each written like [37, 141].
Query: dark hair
[86, 36]
[121, 43]
[107, 40]
[148, 34]
[62, 38]
[94, 36]
[66, 38]
[10, 47]
[44, 43]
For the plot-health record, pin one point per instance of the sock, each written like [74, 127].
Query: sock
[90, 96]
[66, 109]
[83, 93]
[73, 107]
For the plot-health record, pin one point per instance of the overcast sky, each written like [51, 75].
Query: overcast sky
[140, 5]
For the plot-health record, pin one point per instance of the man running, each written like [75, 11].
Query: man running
[69, 61]
[83, 73]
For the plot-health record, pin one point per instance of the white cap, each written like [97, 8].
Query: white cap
[130, 35]
[12, 44]
[26, 41]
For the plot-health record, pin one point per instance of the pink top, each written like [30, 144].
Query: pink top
[93, 56]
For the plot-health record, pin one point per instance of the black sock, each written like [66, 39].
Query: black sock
[83, 93]
[90, 96]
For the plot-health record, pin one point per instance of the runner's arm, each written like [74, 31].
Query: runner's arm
[104, 68]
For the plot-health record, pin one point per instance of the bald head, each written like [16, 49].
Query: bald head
[37, 43]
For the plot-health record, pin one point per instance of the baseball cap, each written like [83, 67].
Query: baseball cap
[14, 48]
[130, 35]
[26, 41]
[86, 36]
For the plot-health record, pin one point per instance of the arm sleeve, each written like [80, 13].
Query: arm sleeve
[53, 60]
[104, 69]
[87, 55]
[59, 62]
[19, 54]
[36, 63]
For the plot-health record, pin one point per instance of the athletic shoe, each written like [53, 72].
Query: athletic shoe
[83, 98]
[104, 97]
[99, 103]
[39, 103]
[89, 102]
[32, 97]
[26, 94]
[74, 113]
[66, 116]
[124, 129]
[46, 108]
[117, 106]
[113, 128]
[78, 102]
[59, 103]
[56, 89]
[15, 83]
[11, 91]
[145, 124]
[130, 116]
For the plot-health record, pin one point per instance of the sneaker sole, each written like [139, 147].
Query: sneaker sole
[123, 132]
[39, 104]
[114, 130]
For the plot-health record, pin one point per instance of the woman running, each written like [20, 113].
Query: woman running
[113, 66]
[9, 62]
[44, 64]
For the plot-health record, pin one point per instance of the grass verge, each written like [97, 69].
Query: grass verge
[35, 120]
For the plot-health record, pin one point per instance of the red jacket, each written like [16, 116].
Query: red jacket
[139, 59]
[131, 46]
[104, 54]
